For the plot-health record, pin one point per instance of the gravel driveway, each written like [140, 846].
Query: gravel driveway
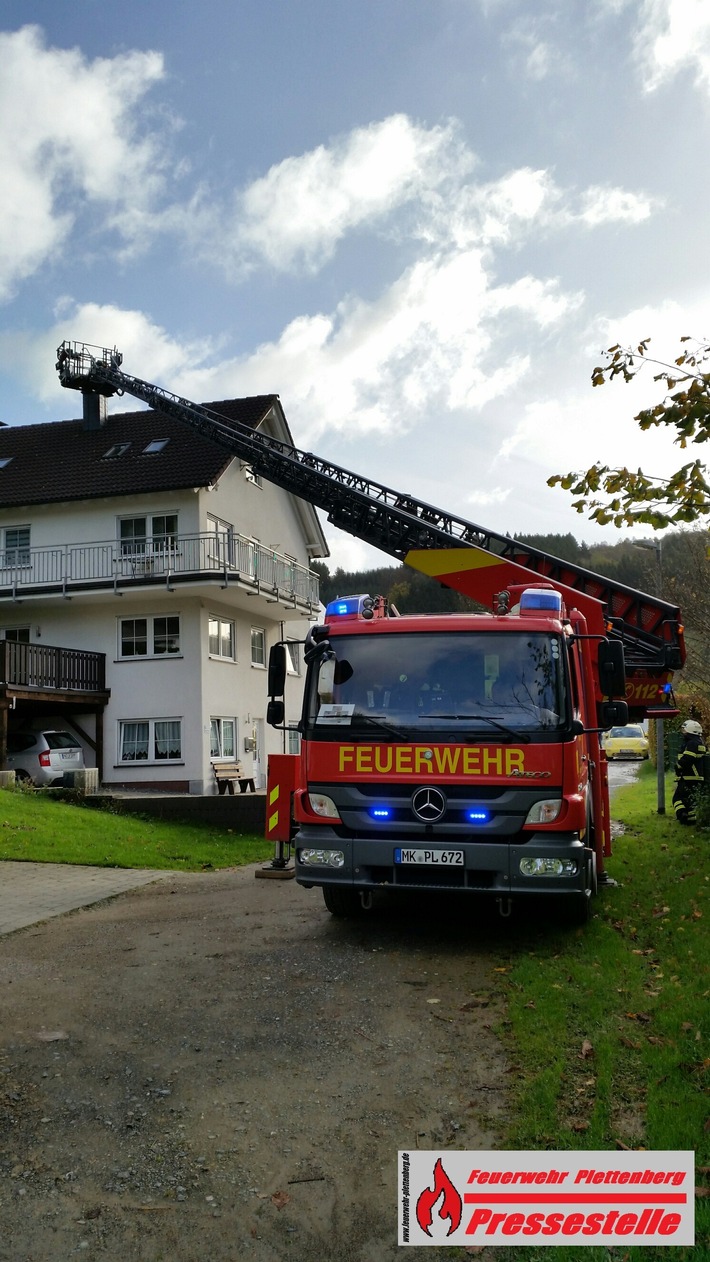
[212, 1067]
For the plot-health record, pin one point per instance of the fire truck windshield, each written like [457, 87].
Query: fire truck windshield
[461, 682]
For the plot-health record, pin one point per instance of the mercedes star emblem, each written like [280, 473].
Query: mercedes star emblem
[429, 805]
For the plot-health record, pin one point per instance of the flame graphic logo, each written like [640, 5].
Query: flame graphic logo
[451, 1205]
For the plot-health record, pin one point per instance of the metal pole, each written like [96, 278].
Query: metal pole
[660, 743]
[657, 547]
[660, 767]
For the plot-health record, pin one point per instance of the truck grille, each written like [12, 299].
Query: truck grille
[422, 877]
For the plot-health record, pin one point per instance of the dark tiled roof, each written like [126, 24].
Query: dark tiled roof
[61, 460]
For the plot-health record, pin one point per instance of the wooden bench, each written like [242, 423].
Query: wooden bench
[227, 774]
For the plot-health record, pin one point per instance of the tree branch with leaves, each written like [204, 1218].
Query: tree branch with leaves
[634, 496]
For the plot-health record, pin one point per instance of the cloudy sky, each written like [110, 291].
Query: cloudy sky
[417, 221]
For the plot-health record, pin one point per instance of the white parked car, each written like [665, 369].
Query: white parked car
[43, 757]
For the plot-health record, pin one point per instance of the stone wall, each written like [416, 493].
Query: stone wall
[243, 812]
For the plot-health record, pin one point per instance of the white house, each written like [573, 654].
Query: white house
[144, 575]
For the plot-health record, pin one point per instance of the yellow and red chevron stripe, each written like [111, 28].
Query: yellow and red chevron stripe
[473, 571]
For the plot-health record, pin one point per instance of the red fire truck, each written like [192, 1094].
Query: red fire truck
[442, 752]
[451, 752]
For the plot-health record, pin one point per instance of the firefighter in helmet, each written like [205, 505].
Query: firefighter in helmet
[690, 771]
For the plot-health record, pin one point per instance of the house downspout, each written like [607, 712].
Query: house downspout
[4, 707]
[282, 635]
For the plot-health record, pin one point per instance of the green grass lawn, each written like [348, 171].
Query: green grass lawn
[36, 827]
[608, 1025]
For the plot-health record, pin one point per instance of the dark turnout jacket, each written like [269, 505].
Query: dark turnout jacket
[689, 763]
[690, 774]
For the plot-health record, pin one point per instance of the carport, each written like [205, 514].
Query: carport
[42, 679]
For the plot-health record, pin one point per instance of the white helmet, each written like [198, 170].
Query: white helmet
[691, 728]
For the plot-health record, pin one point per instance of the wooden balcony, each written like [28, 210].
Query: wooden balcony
[44, 672]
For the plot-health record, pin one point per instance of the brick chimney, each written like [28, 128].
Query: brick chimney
[95, 410]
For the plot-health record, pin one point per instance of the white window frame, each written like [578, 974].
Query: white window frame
[223, 534]
[150, 637]
[151, 759]
[17, 552]
[258, 631]
[151, 541]
[293, 657]
[217, 727]
[293, 738]
[222, 622]
[152, 552]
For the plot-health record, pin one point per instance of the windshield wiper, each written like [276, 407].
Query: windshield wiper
[523, 737]
[376, 721]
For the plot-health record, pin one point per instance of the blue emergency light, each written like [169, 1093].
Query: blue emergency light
[478, 816]
[349, 607]
[541, 600]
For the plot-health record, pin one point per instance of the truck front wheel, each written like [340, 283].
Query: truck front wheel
[342, 902]
[577, 909]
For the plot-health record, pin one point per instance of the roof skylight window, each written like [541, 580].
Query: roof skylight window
[118, 449]
[156, 446]
[4, 461]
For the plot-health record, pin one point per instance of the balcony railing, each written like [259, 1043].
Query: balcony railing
[43, 666]
[81, 567]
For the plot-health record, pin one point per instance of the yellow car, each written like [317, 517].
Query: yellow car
[625, 742]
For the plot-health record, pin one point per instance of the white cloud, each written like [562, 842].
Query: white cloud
[393, 176]
[672, 35]
[525, 203]
[496, 213]
[85, 144]
[148, 351]
[535, 55]
[540, 60]
[431, 340]
[613, 7]
[496, 495]
[669, 36]
[294, 216]
[68, 135]
[600, 205]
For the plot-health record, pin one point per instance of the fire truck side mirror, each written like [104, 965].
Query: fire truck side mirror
[613, 714]
[277, 671]
[275, 713]
[612, 669]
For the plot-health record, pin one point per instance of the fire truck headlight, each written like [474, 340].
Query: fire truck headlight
[322, 805]
[545, 812]
[548, 867]
[322, 858]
